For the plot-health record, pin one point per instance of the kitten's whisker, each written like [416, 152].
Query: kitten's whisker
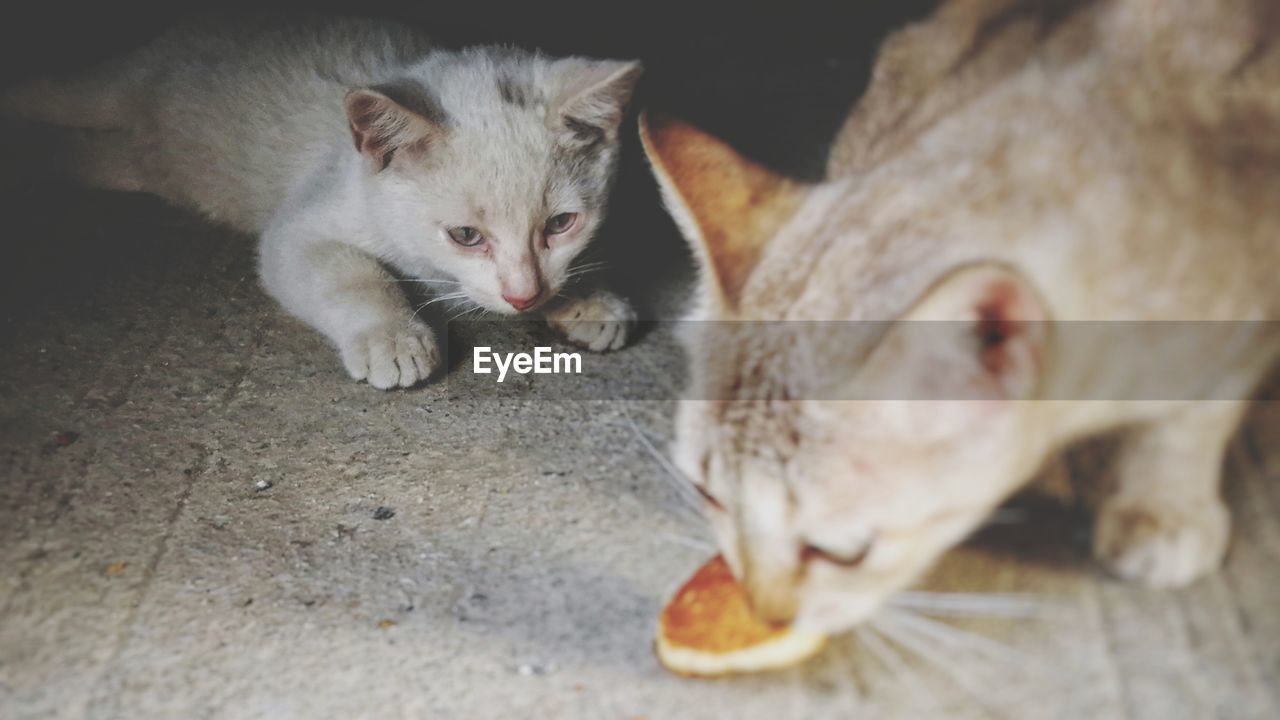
[580, 270]
[475, 313]
[440, 298]
[444, 298]
[465, 311]
[424, 281]
[971, 604]
[584, 267]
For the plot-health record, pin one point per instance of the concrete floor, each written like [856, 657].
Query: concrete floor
[147, 393]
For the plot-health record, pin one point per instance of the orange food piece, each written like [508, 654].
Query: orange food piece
[710, 613]
[708, 628]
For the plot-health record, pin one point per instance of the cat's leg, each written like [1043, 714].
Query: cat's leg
[349, 297]
[599, 321]
[1163, 522]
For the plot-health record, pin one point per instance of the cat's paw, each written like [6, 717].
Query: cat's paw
[392, 356]
[599, 322]
[1161, 547]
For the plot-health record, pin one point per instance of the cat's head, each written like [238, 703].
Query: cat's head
[838, 459]
[493, 166]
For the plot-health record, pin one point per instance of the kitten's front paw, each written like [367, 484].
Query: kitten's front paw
[392, 355]
[599, 322]
[1161, 547]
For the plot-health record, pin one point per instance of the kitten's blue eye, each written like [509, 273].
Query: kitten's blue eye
[466, 236]
[562, 223]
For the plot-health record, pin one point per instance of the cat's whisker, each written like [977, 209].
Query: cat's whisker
[689, 503]
[929, 654]
[842, 655]
[952, 636]
[971, 604]
[689, 542]
[877, 650]
[677, 480]
[899, 670]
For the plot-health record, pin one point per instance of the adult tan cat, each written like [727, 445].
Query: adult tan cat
[1012, 162]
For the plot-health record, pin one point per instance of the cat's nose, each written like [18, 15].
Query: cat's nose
[774, 597]
[775, 604]
[521, 302]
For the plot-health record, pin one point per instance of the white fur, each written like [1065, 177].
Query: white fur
[246, 122]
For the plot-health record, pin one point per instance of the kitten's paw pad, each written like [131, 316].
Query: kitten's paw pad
[1162, 547]
[392, 356]
[600, 322]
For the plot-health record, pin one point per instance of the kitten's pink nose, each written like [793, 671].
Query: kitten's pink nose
[521, 302]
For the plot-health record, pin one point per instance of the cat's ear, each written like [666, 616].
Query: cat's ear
[727, 206]
[592, 95]
[387, 119]
[980, 333]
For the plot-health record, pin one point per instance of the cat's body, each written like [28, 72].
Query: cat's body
[350, 144]
[1012, 163]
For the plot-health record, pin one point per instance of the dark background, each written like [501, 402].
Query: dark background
[774, 82]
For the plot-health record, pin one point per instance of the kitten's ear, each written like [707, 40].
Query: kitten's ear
[385, 120]
[727, 206]
[592, 96]
[980, 333]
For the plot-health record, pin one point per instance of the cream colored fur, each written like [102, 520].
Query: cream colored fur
[1016, 160]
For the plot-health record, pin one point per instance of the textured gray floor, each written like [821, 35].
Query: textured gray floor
[143, 574]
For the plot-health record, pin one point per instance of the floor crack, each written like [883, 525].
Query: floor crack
[100, 697]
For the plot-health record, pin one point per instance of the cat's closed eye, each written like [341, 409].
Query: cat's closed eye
[561, 223]
[844, 557]
[708, 497]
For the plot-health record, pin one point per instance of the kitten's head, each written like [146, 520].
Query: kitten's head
[825, 505]
[493, 166]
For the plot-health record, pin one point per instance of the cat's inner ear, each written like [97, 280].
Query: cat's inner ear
[385, 120]
[726, 205]
[593, 95]
[980, 333]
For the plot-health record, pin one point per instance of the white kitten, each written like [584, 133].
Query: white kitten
[353, 145]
